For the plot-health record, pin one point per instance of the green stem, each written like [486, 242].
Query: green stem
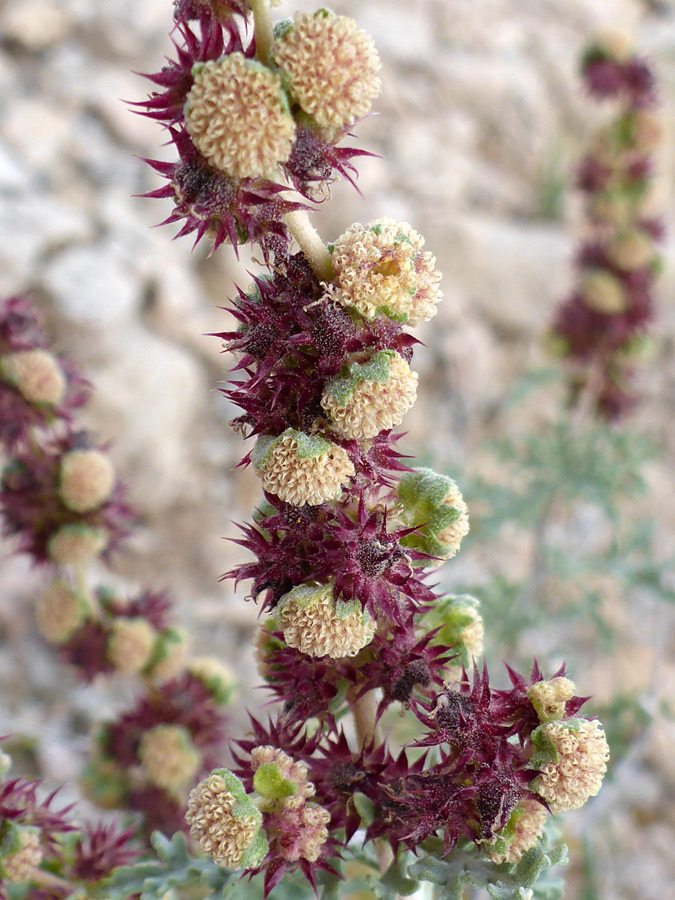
[307, 238]
[46, 879]
[263, 29]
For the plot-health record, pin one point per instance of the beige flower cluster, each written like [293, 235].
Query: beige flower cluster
[380, 269]
[36, 374]
[576, 775]
[316, 624]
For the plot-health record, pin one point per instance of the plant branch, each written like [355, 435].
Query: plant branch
[309, 241]
[263, 29]
[46, 879]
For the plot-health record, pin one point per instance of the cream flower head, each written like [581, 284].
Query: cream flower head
[316, 624]
[521, 832]
[370, 397]
[330, 65]
[225, 822]
[86, 479]
[572, 757]
[237, 116]
[380, 269]
[59, 612]
[169, 757]
[301, 468]
[131, 644]
[36, 374]
[549, 698]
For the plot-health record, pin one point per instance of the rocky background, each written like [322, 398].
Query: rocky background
[480, 119]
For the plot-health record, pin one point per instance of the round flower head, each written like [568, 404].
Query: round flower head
[75, 544]
[330, 65]
[434, 505]
[316, 624]
[300, 468]
[521, 832]
[380, 269]
[459, 625]
[169, 656]
[87, 479]
[36, 374]
[131, 644]
[302, 831]
[237, 116]
[20, 853]
[169, 757]
[631, 251]
[572, 757]
[59, 612]
[616, 44]
[225, 823]
[216, 677]
[603, 292]
[549, 698]
[371, 397]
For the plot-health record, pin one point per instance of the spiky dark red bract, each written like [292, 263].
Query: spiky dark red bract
[21, 329]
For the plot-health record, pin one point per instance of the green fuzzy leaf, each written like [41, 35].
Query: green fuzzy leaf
[270, 783]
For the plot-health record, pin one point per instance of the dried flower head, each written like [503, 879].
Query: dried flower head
[302, 832]
[603, 292]
[36, 374]
[315, 623]
[380, 269]
[225, 822]
[169, 757]
[131, 644]
[370, 397]
[60, 611]
[20, 853]
[331, 66]
[237, 116]
[301, 468]
[75, 544]
[86, 479]
[521, 832]
[549, 698]
[572, 757]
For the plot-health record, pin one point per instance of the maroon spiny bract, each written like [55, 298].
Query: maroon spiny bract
[293, 338]
[86, 651]
[209, 202]
[34, 511]
[100, 849]
[313, 161]
[155, 606]
[21, 804]
[187, 10]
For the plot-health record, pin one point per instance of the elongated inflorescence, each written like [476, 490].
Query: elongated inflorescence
[601, 328]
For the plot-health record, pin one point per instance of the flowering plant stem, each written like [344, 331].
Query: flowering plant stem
[262, 29]
[309, 241]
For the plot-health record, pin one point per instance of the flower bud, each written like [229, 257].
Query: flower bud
[371, 397]
[5, 763]
[459, 624]
[104, 782]
[631, 250]
[299, 832]
[266, 645]
[278, 777]
[216, 677]
[572, 757]
[434, 505]
[59, 612]
[86, 479]
[36, 374]
[131, 644]
[74, 544]
[20, 852]
[521, 832]
[225, 822]
[237, 116]
[549, 698]
[603, 292]
[330, 66]
[380, 269]
[301, 468]
[316, 624]
[169, 757]
[169, 656]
